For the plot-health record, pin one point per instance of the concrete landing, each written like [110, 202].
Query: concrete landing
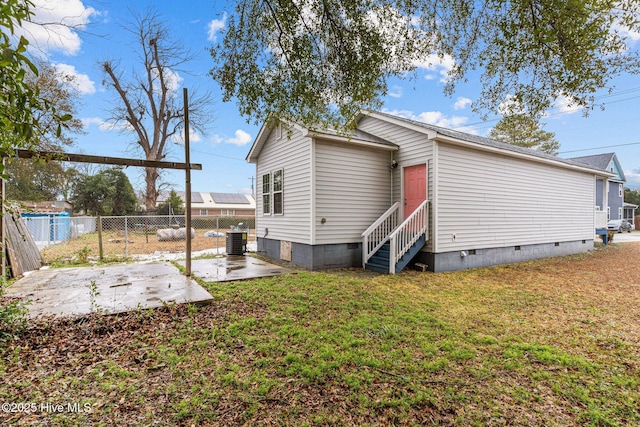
[110, 289]
[232, 267]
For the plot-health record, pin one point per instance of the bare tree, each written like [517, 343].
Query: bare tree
[148, 105]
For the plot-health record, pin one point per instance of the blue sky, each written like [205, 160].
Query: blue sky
[99, 35]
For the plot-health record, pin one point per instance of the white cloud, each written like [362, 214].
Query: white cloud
[240, 139]
[215, 26]
[396, 92]
[440, 66]
[193, 136]
[630, 35]
[104, 125]
[633, 179]
[436, 118]
[462, 103]
[564, 106]
[59, 22]
[171, 78]
[216, 139]
[80, 81]
[510, 106]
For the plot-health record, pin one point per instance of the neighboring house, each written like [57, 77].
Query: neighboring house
[48, 207]
[614, 190]
[630, 213]
[328, 201]
[217, 204]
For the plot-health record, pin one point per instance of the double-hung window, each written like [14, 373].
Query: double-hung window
[278, 204]
[266, 194]
[273, 193]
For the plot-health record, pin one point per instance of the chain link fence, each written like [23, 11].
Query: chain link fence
[79, 239]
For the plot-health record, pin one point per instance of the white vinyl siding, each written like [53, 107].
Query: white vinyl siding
[352, 189]
[292, 154]
[415, 148]
[487, 200]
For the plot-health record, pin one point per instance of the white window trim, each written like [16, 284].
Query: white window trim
[620, 190]
[620, 216]
[608, 213]
[206, 212]
[281, 192]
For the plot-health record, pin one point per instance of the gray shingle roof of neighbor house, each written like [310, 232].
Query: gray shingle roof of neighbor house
[487, 142]
[598, 161]
[602, 162]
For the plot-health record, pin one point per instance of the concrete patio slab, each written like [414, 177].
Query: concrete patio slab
[233, 267]
[110, 289]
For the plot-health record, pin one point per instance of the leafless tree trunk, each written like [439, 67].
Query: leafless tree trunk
[147, 103]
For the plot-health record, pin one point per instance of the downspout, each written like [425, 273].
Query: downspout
[434, 205]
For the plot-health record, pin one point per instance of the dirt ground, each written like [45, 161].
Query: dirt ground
[115, 245]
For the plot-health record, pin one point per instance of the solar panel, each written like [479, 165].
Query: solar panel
[222, 198]
[196, 197]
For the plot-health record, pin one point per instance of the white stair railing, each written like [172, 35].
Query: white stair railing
[407, 234]
[378, 233]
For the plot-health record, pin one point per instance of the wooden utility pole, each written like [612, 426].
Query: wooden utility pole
[187, 173]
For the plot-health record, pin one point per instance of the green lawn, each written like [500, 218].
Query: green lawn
[551, 342]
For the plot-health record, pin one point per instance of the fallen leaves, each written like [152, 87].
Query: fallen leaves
[539, 343]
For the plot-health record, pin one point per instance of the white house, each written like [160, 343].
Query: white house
[398, 190]
[218, 204]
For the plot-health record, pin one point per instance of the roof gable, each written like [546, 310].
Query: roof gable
[357, 137]
[606, 162]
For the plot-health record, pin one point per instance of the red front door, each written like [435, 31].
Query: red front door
[415, 187]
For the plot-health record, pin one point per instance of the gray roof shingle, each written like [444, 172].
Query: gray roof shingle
[489, 142]
[598, 161]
